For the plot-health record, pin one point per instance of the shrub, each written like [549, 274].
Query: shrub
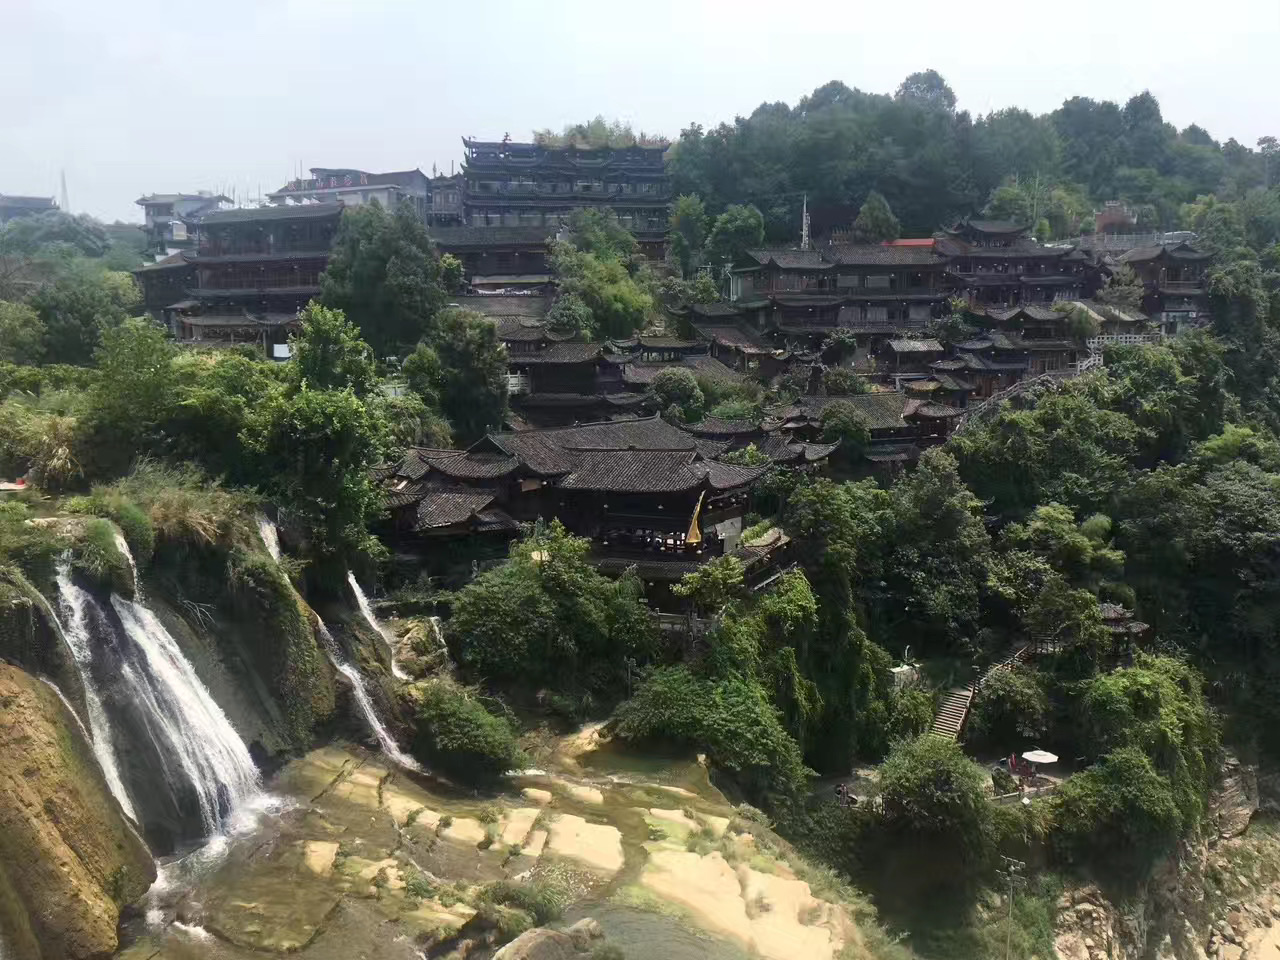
[1119, 816]
[1009, 709]
[458, 735]
[841, 382]
[678, 387]
[930, 789]
[544, 898]
[730, 718]
[95, 554]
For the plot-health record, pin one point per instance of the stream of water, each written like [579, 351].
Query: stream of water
[270, 536]
[348, 670]
[367, 611]
[75, 634]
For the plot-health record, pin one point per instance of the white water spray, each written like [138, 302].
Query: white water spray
[123, 546]
[75, 634]
[270, 536]
[181, 714]
[363, 602]
[385, 740]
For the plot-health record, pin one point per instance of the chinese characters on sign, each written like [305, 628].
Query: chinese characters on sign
[329, 183]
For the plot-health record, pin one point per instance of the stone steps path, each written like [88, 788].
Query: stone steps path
[953, 708]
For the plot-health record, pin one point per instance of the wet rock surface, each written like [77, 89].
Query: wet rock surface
[360, 860]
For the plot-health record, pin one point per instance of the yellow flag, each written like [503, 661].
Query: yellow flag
[695, 535]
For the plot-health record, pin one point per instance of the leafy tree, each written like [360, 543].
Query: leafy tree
[408, 422]
[22, 333]
[385, 276]
[132, 398]
[927, 87]
[599, 233]
[876, 222]
[677, 390]
[688, 231]
[713, 585]
[730, 719]
[570, 314]
[1123, 289]
[455, 733]
[312, 450]
[618, 304]
[78, 305]
[547, 617]
[843, 382]
[1119, 816]
[738, 229]
[939, 562]
[472, 373]
[1081, 552]
[1009, 202]
[329, 353]
[1010, 709]
[842, 424]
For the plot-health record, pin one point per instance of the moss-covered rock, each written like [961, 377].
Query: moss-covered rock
[29, 634]
[69, 860]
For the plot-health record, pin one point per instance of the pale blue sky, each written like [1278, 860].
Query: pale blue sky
[139, 96]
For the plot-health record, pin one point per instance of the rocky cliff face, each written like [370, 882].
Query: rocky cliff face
[68, 857]
[1217, 899]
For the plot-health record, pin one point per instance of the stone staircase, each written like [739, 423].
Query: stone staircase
[953, 708]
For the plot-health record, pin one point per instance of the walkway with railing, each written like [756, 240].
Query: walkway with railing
[953, 708]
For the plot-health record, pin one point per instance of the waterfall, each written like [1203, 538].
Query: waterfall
[363, 602]
[123, 546]
[75, 634]
[348, 670]
[270, 536]
[182, 716]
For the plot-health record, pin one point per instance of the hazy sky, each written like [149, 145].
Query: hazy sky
[134, 96]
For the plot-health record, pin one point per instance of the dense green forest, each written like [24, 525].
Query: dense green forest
[934, 163]
[1153, 482]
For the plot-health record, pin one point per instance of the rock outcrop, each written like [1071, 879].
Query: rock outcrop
[69, 859]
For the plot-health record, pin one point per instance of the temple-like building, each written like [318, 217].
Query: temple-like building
[646, 493]
[996, 263]
[1174, 278]
[250, 273]
[12, 206]
[508, 184]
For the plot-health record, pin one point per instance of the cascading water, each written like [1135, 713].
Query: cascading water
[75, 633]
[123, 546]
[270, 536]
[348, 670]
[182, 717]
[367, 611]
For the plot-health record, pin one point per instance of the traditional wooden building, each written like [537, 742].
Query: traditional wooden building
[254, 270]
[1173, 276]
[995, 262]
[12, 207]
[639, 489]
[498, 258]
[509, 184]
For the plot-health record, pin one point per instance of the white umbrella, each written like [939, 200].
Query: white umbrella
[1040, 756]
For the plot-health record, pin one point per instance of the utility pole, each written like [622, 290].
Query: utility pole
[804, 224]
[1012, 869]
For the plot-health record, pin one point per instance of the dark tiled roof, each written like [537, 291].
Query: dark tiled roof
[930, 411]
[893, 453]
[632, 471]
[455, 237]
[975, 362]
[459, 464]
[173, 260]
[1181, 251]
[992, 226]
[732, 336]
[715, 309]
[877, 254]
[915, 346]
[558, 353]
[297, 211]
[728, 476]
[781, 450]
[549, 452]
[668, 343]
[950, 382]
[641, 372]
[791, 259]
[505, 305]
[720, 427]
[879, 411]
[445, 506]
[201, 259]
[493, 520]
